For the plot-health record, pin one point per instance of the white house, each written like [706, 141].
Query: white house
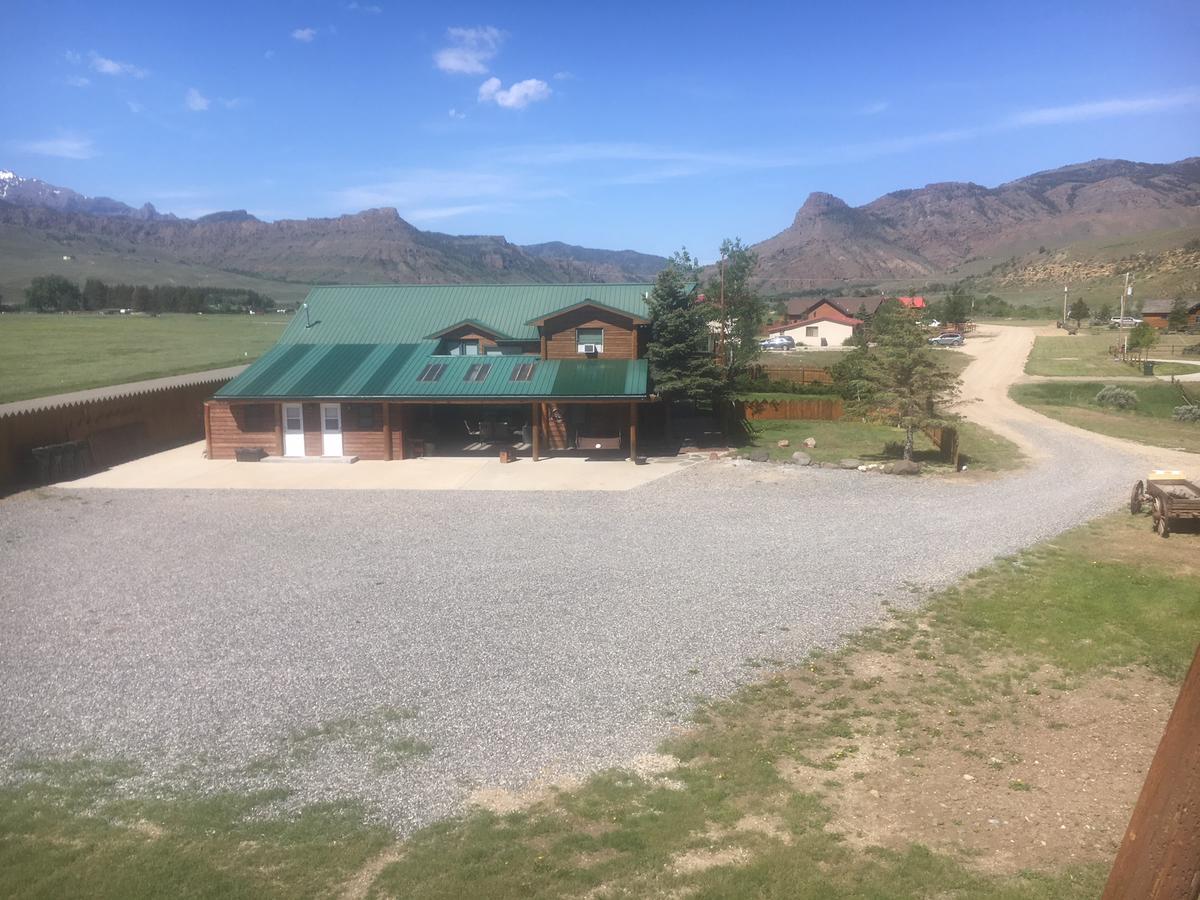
[819, 331]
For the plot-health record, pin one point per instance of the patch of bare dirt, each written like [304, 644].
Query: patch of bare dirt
[1051, 786]
[692, 861]
[359, 885]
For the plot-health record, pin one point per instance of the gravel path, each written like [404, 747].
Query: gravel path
[406, 650]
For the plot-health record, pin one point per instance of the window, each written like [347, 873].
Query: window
[432, 372]
[477, 372]
[333, 416]
[295, 421]
[462, 348]
[523, 372]
[592, 336]
[810, 331]
[365, 416]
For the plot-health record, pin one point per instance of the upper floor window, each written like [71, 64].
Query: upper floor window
[432, 372]
[477, 372]
[462, 348]
[589, 340]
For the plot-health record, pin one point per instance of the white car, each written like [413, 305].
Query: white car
[1126, 322]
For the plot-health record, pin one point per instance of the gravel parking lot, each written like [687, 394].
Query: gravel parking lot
[407, 649]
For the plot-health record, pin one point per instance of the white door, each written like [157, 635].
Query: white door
[293, 429]
[331, 429]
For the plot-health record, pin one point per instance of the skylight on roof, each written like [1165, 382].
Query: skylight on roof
[477, 372]
[523, 372]
[432, 372]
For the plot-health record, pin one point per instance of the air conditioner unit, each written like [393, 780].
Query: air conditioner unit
[589, 348]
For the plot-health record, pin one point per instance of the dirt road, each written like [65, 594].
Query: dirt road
[1000, 352]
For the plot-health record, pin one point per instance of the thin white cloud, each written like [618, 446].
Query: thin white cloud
[436, 213]
[233, 102]
[270, 54]
[195, 101]
[78, 81]
[520, 95]
[72, 57]
[369, 8]
[470, 50]
[106, 66]
[456, 114]
[1104, 109]
[874, 109]
[563, 76]
[134, 106]
[304, 35]
[66, 147]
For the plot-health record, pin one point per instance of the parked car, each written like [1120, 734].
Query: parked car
[948, 339]
[1127, 322]
[779, 342]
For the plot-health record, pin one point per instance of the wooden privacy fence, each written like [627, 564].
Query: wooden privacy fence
[793, 374]
[116, 429]
[945, 438]
[828, 409]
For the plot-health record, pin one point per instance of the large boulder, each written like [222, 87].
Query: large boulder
[801, 459]
[760, 454]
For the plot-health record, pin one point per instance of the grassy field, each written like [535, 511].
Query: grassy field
[1151, 423]
[954, 360]
[923, 759]
[1087, 353]
[53, 354]
[848, 439]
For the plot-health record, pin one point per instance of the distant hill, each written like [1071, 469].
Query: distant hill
[936, 230]
[376, 245]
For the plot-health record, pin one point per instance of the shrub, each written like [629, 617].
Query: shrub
[1186, 414]
[1116, 397]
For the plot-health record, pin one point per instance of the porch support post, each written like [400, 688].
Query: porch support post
[402, 412]
[633, 424]
[279, 429]
[208, 440]
[387, 431]
[537, 431]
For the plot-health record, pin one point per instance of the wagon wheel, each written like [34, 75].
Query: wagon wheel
[1137, 498]
[1160, 519]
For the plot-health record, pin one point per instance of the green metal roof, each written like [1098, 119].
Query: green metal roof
[350, 371]
[374, 341]
[408, 313]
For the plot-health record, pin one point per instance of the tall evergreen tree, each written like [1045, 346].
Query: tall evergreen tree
[899, 378]
[1177, 318]
[1078, 311]
[680, 362]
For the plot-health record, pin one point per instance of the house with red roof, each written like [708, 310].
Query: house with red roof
[831, 328]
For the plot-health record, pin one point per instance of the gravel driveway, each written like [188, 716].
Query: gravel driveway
[405, 650]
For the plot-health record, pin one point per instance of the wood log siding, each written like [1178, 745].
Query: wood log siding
[240, 425]
[358, 439]
[620, 335]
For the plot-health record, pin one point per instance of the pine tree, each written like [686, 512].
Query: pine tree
[1078, 311]
[899, 378]
[680, 362]
[1177, 318]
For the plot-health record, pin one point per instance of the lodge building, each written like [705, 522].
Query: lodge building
[393, 372]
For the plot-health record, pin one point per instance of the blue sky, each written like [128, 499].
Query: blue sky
[641, 125]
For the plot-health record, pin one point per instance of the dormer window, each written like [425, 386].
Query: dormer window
[461, 348]
[589, 340]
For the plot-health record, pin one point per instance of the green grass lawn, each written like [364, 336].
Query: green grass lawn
[1087, 353]
[1150, 423]
[54, 354]
[954, 360]
[757, 798]
[849, 439]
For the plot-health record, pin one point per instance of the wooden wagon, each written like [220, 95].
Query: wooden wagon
[1171, 498]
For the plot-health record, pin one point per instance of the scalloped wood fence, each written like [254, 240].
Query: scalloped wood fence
[117, 429]
[827, 409]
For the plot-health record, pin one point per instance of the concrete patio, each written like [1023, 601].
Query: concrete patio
[186, 468]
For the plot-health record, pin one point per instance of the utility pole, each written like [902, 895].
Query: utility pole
[724, 321]
[1064, 318]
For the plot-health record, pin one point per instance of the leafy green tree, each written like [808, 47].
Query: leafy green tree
[956, 308]
[680, 362]
[1105, 312]
[1078, 311]
[898, 378]
[742, 313]
[53, 293]
[1177, 318]
[1142, 339]
[95, 294]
